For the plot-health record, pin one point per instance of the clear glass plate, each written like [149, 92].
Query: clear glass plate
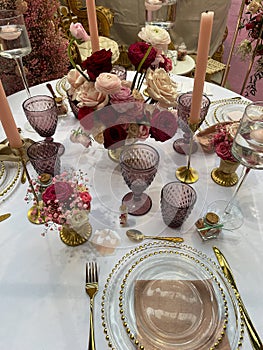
[166, 296]
[9, 178]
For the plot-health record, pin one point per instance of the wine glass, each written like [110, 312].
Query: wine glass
[184, 103]
[41, 113]
[247, 148]
[14, 41]
[139, 163]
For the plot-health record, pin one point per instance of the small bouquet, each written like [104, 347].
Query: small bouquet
[125, 115]
[223, 140]
[64, 201]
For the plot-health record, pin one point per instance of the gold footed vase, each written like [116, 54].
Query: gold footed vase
[72, 237]
[225, 174]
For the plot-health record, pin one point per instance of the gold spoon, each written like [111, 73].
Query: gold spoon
[138, 236]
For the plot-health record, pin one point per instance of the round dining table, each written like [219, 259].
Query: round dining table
[43, 302]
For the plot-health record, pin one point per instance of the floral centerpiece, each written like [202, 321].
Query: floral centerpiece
[223, 140]
[225, 174]
[95, 86]
[64, 203]
[252, 22]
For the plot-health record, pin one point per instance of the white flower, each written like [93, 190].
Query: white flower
[156, 36]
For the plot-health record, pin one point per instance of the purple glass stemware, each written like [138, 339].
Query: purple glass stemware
[139, 163]
[42, 114]
[181, 145]
[44, 157]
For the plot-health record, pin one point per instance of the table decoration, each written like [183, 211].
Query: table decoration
[139, 164]
[9, 178]
[247, 149]
[225, 174]
[64, 204]
[177, 202]
[215, 321]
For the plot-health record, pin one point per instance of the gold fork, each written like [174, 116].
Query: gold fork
[91, 289]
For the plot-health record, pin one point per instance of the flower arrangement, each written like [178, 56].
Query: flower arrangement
[252, 22]
[223, 140]
[66, 200]
[126, 114]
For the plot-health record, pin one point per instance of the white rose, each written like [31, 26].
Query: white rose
[156, 36]
[161, 88]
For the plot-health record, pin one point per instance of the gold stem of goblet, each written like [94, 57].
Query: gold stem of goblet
[187, 174]
[33, 214]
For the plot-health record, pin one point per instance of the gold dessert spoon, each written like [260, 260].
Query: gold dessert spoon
[138, 236]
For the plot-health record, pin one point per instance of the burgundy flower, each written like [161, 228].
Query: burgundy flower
[98, 62]
[114, 136]
[163, 125]
[167, 65]
[107, 116]
[136, 53]
[84, 112]
[61, 191]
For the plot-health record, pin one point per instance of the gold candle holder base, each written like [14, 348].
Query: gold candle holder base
[33, 213]
[187, 175]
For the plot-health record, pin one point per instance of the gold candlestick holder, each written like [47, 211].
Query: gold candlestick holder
[34, 213]
[187, 174]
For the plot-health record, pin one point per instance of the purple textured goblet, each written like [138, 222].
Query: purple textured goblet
[42, 114]
[177, 202]
[184, 103]
[44, 157]
[139, 163]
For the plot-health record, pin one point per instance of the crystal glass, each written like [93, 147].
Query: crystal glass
[177, 202]
[247, 148]
[184, 103]
[139, 163]
[42, 114]
[160, 13]
[14, 41]
[44, 157]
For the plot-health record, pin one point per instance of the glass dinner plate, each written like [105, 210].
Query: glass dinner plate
[9, 178]
[166, 296]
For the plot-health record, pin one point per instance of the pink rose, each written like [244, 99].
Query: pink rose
[87, 95]
[108, 83]
[75, 79]
[78, 32]
[121, 99]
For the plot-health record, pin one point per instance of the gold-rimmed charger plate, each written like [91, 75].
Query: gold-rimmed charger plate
[9, 178]
[203, 282]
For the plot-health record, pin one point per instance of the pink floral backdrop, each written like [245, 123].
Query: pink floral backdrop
[48, 59]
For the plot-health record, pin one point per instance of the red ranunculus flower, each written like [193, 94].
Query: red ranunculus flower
[98, 62]
[86, 117]
[107, 116]
[85, 197]
[136, 53]
[163, 125]
[59, 190]
[114, 136]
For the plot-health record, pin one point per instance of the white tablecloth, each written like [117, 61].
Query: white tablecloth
[43, 303]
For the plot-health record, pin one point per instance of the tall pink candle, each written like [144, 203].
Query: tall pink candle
[206, 26]
[93, 25]
[8, 121]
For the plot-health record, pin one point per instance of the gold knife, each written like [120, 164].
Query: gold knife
[254, 337]
[4, 216]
